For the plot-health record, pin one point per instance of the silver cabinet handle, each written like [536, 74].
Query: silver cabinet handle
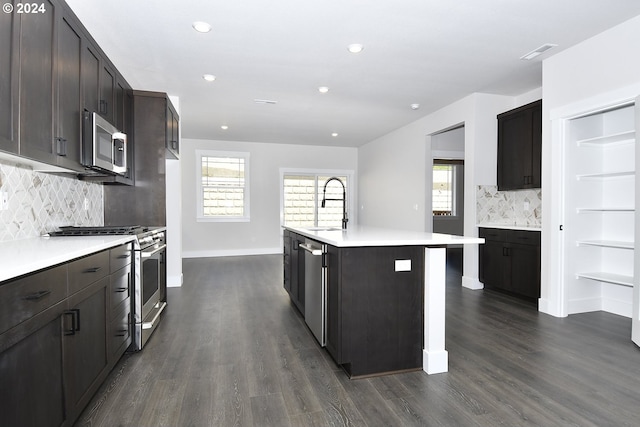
[310, 249]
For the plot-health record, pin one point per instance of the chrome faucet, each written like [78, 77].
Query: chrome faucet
[343, 200]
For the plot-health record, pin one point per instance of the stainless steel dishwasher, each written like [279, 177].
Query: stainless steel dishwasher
[315, 288]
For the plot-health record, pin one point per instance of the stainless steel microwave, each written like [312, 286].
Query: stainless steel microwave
[104, 148]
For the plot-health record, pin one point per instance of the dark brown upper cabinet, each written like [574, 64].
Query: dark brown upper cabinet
[50, 71]
[520, 147]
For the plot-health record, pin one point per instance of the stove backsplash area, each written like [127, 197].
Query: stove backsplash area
[521, 208]
[41, 202]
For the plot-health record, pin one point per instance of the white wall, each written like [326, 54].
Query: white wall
[174, 214]
[601, 69]
[263, 233]
[402, 160]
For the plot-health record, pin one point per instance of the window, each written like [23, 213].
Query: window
[445, 187]
[302, 197]
[223, 186]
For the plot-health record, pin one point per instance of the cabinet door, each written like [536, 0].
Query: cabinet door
[173, 137]
[85, 345]
[286, 260]
[514, 151]
[31, 391]
[8, 56]
[495, 268]
[37, 83]
[334, 331]
[90, 77]
[525, 270]
[68, 136]
[107, 92]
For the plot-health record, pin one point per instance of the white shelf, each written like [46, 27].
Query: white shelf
[607, 244]
[606, 175]
[616, 279]
[600, 210]
[618, 138]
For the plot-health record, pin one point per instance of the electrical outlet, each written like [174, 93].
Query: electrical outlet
[526, 206]
[4, 201]
[86, 204]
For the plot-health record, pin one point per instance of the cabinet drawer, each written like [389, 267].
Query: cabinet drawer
[524, 237]
[84, 271]
[495, 234]
[22, 298]
[120, 286]
[120, 328]
[120, 257]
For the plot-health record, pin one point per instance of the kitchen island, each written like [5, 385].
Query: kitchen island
[383, 296]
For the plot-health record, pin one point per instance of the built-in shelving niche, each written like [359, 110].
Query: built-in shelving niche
[600, 210]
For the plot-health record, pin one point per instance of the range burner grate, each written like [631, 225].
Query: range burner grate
[97, 231]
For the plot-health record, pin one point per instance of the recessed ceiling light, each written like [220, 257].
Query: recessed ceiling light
[538, 51]
[355, 48]
[224, 127]
[323, 89]
[209, 77]
[201, 27]
[334, 134]
[415, 106]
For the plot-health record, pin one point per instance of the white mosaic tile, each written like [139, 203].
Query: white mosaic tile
[520, 208]
[40, 202]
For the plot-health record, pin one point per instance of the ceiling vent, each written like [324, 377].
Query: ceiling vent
[264, 101]
[545, 47]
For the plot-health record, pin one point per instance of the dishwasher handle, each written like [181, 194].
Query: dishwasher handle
[311, 249]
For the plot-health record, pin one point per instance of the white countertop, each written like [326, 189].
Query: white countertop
[509, 226]
[356, 236]
[25, 256]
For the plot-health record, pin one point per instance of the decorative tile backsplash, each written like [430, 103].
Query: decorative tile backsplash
[41, 202]
[520, 208]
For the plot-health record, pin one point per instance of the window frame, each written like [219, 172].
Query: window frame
[351, 186]
[455, 187]
[200, 216]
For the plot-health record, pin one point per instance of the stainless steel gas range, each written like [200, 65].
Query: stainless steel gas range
[149, 274]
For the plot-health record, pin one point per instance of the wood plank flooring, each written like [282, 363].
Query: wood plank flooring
[233, 351]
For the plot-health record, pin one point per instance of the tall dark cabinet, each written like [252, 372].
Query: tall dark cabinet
[145, 202]
[520, 147]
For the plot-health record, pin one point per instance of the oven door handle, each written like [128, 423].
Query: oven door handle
[149, 325]
[149, 254]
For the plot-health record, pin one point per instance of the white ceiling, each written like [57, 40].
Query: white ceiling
[430, 52]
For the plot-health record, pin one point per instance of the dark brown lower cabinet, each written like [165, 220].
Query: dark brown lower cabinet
[294, 269]
[61, 331]
[31, 376]
[510, 261]
[375, 314]
[85, 348]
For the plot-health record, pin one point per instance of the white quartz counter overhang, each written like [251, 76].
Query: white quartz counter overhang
[26, 256]
[360, 236]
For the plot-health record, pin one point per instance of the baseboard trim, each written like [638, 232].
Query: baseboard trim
[231, 252]
[472, 283]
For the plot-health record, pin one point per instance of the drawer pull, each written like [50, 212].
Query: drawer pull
[122, 333]
[93, 270]
[124, 256]
[37, 295]
[120, 290]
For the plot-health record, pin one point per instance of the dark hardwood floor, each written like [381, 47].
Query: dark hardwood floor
[233, 351]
